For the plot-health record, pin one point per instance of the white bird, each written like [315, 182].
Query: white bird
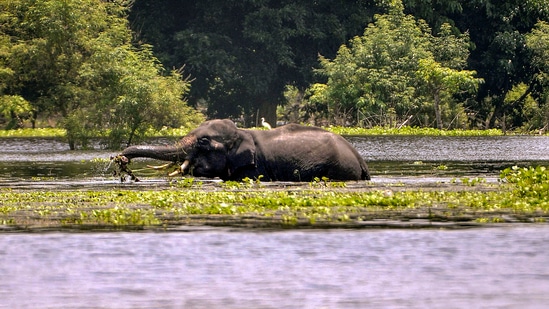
[265, 123]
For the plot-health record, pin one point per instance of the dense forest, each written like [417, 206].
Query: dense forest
[125, 67]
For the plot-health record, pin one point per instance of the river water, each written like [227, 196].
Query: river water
[502, 267]
[497, 267]
[415, 158]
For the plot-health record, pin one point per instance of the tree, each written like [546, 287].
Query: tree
[499, 53]
[373, 74]
[500, 57]
[434, 12]
[538, 42]
[383, 74]
[75, 59]
[242, 54]
[440, 81]
[13, 108]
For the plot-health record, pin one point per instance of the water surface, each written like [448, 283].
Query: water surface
[411, 157]
[501, 267]
[497, 267]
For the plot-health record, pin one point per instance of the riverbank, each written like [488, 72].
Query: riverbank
[165, 205]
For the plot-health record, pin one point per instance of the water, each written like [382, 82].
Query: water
[446, 148]
[409, 157]
[372, 148]
[503, 267]
[496, 267]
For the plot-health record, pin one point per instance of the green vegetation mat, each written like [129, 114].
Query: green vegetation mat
[45, 132]
[519, 196]
[179, 132]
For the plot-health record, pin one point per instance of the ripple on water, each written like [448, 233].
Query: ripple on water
[492, 267]
[387, 156]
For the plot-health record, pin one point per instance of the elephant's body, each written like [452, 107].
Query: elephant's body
[299, 153]
[288, 153]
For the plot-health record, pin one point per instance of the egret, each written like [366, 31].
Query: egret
[265, 123]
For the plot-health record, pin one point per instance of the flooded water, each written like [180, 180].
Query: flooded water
[408, 157]
[503, 267]
[496, 267]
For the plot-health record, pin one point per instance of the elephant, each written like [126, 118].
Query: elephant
[218, 148]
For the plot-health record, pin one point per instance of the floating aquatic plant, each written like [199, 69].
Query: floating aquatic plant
[520, 196]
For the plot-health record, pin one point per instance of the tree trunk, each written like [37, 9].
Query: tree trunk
[437, 109]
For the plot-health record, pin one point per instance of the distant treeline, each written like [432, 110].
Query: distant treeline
[124, 67]
[244, 56]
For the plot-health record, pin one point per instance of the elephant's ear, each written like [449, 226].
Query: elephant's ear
[243, 151]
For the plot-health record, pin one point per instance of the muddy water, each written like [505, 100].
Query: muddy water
[498, 267]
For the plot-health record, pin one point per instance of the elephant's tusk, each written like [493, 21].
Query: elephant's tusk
[181, 169]
[175, 173]
[161, 167]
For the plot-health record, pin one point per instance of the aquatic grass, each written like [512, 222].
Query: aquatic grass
[188, 182]
[528, 181]
[121, 216]
[306, 205]
[352, 131]
[107, 207]
[39, 132]
[179, 132]
[406, 130]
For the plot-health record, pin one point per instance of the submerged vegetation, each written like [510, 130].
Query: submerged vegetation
[519, 196]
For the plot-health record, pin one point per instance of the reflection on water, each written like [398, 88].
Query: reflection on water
[478, 268]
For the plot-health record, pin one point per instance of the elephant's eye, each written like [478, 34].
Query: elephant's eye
[204, 141]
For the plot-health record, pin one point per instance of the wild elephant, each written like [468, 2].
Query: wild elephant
[217, 148]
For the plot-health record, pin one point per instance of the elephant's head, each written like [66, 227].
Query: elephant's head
[216, 148]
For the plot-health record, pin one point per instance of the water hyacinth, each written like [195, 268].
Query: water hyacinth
[517, 197]
[353, 131]
[27, 132]
[350, 131]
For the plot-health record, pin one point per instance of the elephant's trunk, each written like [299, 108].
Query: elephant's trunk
[164, 153]
[174, 153]
[186, 145]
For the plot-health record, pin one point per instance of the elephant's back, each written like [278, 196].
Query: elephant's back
[314, 152]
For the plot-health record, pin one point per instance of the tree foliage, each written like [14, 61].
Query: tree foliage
[387, 75]
[75, 59]
[538, 42]
[500, 55]
[242, 54]
[439, 81]
[79, 60]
